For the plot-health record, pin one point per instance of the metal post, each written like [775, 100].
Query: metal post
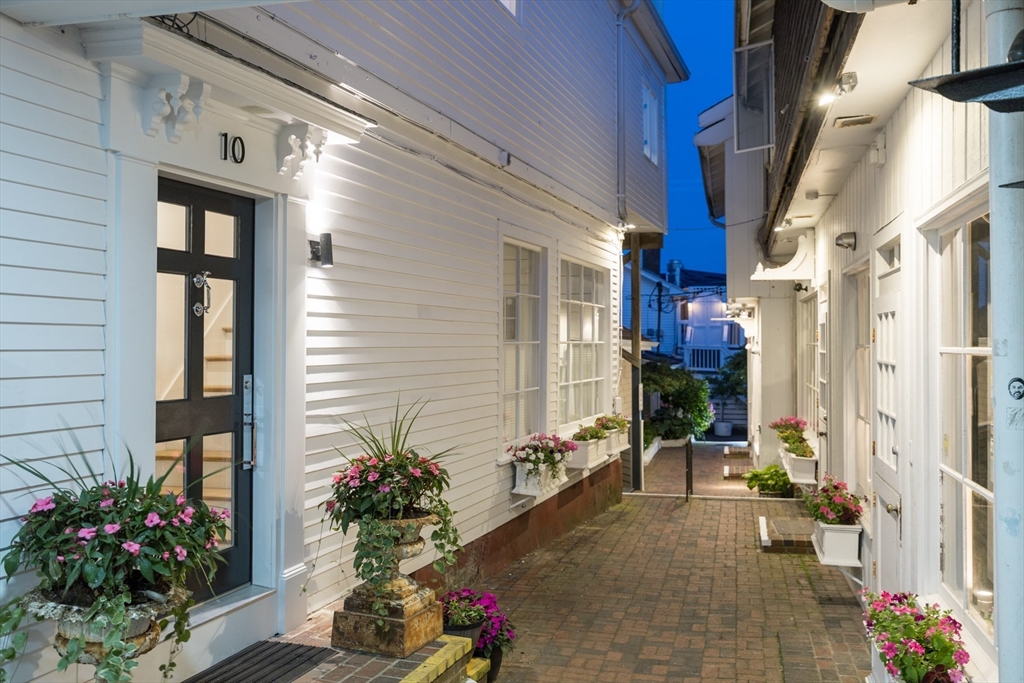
[956, 37]
[1004, 18]
[638, 425]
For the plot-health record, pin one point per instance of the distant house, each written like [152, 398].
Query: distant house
[169, 193]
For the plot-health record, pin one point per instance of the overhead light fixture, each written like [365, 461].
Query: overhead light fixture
[786, 224]
[846, 84]
[322, 252]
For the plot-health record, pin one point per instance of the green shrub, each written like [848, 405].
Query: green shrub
[684, 398]
[771, 479]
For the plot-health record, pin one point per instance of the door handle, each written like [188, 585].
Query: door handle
[248, 426]
[200, 281]
[822, 433]
[890, 508]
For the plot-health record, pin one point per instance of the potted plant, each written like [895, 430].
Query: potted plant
[771, 482]
[617, 427]
[591, 448]
[497, 632]
[837, 528]
[728, 384]
[463, 615]
[915, 643]
[797, 455]
[112, 559]
[391, 492]
[539, 463]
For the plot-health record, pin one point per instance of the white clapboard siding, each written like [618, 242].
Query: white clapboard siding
[645, 180]
[933, 147]
[52, 278]
[412, 307]
[544, 89]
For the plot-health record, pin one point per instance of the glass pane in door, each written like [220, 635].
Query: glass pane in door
[171, 327]
[218, 347]
[221, 234]
[982, 554]
[171, 226]
[170, 460]
[218, 475]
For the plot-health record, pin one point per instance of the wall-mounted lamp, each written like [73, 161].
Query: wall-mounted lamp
[847, 240]
[787, 223]
[322, 252]
[799, 287]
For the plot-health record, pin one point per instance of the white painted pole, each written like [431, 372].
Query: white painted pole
[1004, 18]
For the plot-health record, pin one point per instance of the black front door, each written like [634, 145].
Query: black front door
[204, 359]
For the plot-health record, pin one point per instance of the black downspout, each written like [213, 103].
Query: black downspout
[956, 36]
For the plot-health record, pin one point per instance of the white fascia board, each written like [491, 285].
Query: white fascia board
[155, 51]
[715, 134]
[64, 12]
[715, 113]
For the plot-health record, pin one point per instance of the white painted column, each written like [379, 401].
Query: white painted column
[1004, 18]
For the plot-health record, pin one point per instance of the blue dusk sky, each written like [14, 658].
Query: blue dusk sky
[703, 32]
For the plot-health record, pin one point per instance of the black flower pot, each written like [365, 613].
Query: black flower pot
[471, 631]
[496, 655]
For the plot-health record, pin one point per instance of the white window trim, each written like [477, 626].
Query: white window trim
[952, 214]
[541, 337]
[651, 123]
[566, 429]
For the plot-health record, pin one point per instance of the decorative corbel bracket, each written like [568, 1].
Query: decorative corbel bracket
[173, 101]
[296, 145]
[800, 267]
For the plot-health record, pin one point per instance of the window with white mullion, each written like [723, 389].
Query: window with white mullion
[582, 342]
[965, 419]
[521, 374]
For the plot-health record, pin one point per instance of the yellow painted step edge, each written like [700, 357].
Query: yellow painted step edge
[477, 668]
[454, 649]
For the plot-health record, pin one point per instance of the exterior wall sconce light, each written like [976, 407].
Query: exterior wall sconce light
[847, 240]
[846, 84]
[800, 287]
[322, 252]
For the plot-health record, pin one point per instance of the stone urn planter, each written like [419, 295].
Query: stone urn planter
[837, 544]
[143, 624]
[723, 428]
[537, 484]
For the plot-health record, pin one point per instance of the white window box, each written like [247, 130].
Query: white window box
[536, 485]
[588, 454]
[800, 470]
[837, 544]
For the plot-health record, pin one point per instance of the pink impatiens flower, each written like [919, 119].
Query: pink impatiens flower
[111, 528]
[373, 476]
[43, 504]
[106, 503]
[415, 471]
[384, 489]
[153, 519]
[131, 547]
[180, 552]
[180, 500]
[87, 533]
[336, 478]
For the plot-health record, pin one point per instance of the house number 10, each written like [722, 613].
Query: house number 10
[233, 147]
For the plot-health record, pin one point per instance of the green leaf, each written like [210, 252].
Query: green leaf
[12, 561]
[146, 569]
[94, 574]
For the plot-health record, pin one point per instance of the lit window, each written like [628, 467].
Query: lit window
[510, 5]
[582, 342]
[650, 125]
[965, 404]
[521, 347]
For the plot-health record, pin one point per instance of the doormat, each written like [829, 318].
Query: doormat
[265, 662]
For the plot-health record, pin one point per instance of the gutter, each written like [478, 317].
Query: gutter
[620, 128]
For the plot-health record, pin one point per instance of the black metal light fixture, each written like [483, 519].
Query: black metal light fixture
[322, 252]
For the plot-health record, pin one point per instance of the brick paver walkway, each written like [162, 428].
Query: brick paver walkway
[667, 473]
[662, 590]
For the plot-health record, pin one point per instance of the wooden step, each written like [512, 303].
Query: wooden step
[477, 668]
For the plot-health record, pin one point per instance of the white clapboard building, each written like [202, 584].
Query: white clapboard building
[873, 232]
[470, 168]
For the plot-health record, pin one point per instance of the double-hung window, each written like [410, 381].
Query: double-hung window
[650, 124]
[582, 342]
[965, 420]
[521, 347]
